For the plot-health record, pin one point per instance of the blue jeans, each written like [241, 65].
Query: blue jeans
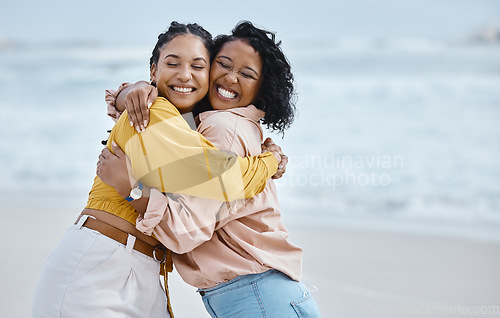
[271, 294]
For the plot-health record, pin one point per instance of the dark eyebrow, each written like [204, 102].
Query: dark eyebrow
[247, 67]
[251, 69]
[200, 59]
[177, 57]
[224, 57]
[172, 55]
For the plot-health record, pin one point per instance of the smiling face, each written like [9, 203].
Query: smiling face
[181, 74]
[235, 76]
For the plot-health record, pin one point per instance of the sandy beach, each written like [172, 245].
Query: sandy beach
[352, 273]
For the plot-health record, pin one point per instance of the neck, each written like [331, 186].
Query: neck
[188, 117]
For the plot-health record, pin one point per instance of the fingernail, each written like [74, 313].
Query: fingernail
[138, 129]
[131, 124]
[142, 128]
[149, 105]
[113, 143]
[145, 123]
[280, 167]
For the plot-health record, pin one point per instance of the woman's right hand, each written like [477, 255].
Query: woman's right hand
[113, 168]
[138, 98]
[269, 145]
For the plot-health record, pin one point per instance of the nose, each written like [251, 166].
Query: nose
[231, 77]
[184, 74]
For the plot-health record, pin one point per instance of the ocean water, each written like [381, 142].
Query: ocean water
[397, 133]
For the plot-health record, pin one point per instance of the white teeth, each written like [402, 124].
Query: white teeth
[225, 93]
[182, 89]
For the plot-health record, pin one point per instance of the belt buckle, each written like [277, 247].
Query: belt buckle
[161, 248]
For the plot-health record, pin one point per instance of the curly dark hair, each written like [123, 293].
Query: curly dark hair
[276, 95]
[176, 29]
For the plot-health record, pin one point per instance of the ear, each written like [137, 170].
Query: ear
[152, 73]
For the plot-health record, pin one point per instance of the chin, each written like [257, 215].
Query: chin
[182, 104]
[185, 109]
[224, 106]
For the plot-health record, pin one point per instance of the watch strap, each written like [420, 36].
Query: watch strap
[140, 186]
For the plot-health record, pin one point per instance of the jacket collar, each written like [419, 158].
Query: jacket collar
[249, 111]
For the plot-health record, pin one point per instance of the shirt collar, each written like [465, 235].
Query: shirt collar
[249, 111]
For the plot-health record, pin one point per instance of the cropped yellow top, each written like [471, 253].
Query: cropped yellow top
[172, 158]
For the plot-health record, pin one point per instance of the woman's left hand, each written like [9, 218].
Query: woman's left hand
[113, 169]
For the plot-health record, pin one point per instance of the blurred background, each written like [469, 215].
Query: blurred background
[398, 110]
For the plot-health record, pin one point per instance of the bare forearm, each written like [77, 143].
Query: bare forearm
[120, 99]
[141, 204]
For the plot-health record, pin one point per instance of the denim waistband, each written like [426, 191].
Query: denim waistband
[238, 281]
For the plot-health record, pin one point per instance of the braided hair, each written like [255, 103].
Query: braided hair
[176, 29]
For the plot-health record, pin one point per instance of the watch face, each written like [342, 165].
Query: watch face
[136, 193]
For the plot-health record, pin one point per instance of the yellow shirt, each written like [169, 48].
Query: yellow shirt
[172, 158]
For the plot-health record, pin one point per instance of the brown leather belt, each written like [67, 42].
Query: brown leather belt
[158, 252]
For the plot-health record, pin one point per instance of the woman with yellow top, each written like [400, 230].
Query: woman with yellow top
[104, 266]
[238, 255]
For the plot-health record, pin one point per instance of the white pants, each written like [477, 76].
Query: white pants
[91, 275]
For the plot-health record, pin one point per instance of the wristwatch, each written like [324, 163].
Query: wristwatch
[135, 193]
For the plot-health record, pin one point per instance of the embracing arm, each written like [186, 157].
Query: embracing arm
[122, 97]
[113, 168]
[111, 96]
[180, 222]
[183, 222]
[137, 103]
[138, 97]
[171, 157]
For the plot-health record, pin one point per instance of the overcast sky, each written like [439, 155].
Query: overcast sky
[136, 21]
